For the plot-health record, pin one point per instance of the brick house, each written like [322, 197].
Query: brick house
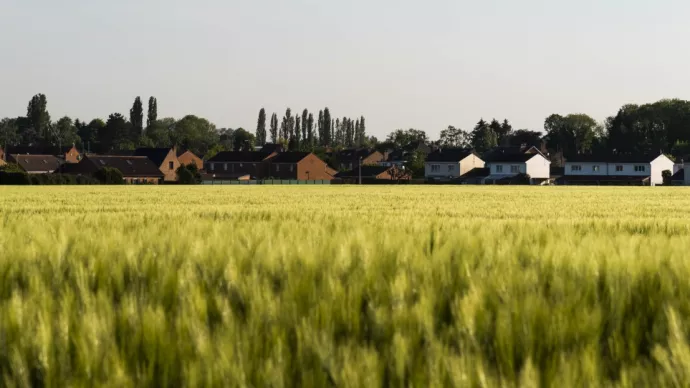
[349, 159]
[187, 157]
[165, 158]
[134, 169]
[299, 166]
[36, 164]
[370, 173]
[237, 164]
[68, 154]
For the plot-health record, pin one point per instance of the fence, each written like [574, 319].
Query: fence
[269, 182]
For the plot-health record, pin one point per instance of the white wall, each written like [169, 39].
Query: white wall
[469, 163]
[443, 170]
[539, 167]
[659, 165]
[493, 168]
[587, 168]
[629, 169]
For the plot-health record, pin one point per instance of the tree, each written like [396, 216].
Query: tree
[188, 175]
[243, 140]
[195, 134]
[667, 175]
[310, 131]
[305, 124]
[158, 132]
[525, 137]
[8, 132]
[153, 112]
[483, 137]
[274, 128]
[298, 133]
[115, 133]
[328, 125]
[404, 138]
[362, 132]
[261, 128]
[109, 176]
[38, 117]
[452, 137]
[504, 132]
[572, 134]
[321, 126]
[288, 125]
[64, 132]
[136, 119]
[89, 134]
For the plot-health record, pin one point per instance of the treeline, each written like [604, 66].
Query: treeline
[145, 129]
[304, 133]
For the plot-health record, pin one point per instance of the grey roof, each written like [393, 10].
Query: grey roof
[679, 175]
[289, 157]
[240, 156]
[613, 158]
[449, 155]
[367, 172]
[38, 163]
[156, 155]
[129, 166]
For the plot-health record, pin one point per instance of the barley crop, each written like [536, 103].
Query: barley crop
[344, 286]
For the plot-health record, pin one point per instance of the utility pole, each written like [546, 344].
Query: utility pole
[360, 170]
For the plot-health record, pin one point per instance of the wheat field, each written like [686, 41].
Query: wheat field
[309, 286]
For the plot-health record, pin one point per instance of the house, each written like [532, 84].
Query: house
[349, 159]
[616, 169]
[36, 164]
[299, 166]
[678, 179]
[134, 169]
[68, 154]
[509, 164]
[230, 165]
[164, 158]
[376, 173]
[451, 163]
[397, 158]
[187, 157]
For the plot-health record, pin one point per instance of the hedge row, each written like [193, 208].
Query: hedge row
[22, 178]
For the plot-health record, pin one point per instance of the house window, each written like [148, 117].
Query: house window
[575, 167]
[514, 169]
[213, 166]
[619, 168]
[277, 167]
[451, 168]
[225, 166]
[595, 168]
[499, 168]
[435, 168]
[640, 168]
[292, 167]
[171, 165]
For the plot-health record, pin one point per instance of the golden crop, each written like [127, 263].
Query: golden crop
[341, 286]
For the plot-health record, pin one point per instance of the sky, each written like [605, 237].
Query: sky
[400, 63]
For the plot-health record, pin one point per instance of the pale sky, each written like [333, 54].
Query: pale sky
[400, 63]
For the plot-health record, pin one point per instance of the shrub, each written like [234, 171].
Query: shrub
[109, 176]
[188, 175]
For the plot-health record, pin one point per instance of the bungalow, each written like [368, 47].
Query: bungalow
[299, 166]
[617, 169]
[376, 173]
[134, 169]
[165, 158]
[187, 157]
[36, 164]
[451, 163]
[231, 165]
[68, 154]
[507, 165]
[349, 159]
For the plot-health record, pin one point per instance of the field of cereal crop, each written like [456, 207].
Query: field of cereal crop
[344, 286]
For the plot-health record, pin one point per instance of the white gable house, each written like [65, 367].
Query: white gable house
[617, 169]
[451, 163]
[505, 166]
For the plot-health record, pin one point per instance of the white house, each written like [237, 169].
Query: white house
[506, 165]
[621, 169]
[451, 163]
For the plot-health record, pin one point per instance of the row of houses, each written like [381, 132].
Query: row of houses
[506, 164]
[502, 165]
